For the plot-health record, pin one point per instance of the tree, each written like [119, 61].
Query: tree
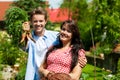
[107, 22]
[102, 17]
[29, 5]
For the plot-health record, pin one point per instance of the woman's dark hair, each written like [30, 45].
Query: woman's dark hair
[76, 41]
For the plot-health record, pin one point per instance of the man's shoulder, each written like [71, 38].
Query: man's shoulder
[50, 32]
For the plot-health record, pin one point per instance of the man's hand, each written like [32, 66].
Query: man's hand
[26, 30]
[82, 61]
[26, 26]
[26, 35]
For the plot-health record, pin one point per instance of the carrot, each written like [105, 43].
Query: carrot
[26, 34]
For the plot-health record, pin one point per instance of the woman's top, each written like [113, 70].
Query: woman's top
[59, 61]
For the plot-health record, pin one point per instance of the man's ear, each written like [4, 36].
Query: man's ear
[46, 21]
[30, 22]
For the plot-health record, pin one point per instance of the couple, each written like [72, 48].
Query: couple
[54, 52]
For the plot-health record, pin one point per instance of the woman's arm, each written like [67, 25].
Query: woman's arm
[43, 70]
[76, 72]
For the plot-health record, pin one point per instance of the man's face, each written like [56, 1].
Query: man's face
[38, 23]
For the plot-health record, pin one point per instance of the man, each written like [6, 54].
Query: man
[43, 40]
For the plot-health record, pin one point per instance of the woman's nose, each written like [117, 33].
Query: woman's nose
[64, 32]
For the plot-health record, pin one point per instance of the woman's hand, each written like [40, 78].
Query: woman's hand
[50, 74]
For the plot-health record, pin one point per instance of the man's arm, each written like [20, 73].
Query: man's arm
[82, 62]
[82, 58]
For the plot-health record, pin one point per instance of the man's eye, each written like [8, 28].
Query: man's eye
[40, 20]
[35, 21]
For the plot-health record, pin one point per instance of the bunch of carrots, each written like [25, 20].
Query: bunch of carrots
[26, 33]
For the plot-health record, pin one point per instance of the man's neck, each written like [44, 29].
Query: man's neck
[40, 33]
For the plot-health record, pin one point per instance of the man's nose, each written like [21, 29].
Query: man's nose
[38, 23]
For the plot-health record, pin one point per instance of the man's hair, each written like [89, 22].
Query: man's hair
[39, 11]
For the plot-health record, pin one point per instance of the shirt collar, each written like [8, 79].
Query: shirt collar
[44, 36]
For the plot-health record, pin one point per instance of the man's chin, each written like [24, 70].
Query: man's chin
[38, 31]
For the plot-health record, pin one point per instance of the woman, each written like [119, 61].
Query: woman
[63, 58]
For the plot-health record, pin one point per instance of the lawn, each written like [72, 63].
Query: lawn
[89, 71]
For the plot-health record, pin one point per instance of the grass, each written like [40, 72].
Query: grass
[89, 71]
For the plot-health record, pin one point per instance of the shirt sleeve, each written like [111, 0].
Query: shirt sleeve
[56, 42]
[81, 53]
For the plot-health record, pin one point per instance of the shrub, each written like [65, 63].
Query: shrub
[11, 55]
[14, 19]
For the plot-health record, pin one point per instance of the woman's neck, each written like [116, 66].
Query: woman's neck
[66, 45]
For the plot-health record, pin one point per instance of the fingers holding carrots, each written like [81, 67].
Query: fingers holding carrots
[26, 32]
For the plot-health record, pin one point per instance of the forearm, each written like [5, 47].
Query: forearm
[43, 71]
[82, 58]
[82, 61]
[76, 72]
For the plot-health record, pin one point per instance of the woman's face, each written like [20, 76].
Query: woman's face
[38, 22]
[65, 34]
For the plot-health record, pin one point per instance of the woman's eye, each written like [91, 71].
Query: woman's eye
[63, 29]
[69, 31]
